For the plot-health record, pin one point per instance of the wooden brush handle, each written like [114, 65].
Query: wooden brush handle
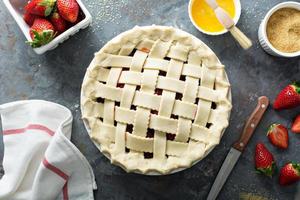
[251, 123]
[242, 39]
[228, 23]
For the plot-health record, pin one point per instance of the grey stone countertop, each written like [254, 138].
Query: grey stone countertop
[57, 76]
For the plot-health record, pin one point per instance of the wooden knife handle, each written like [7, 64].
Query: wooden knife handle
[251, 123]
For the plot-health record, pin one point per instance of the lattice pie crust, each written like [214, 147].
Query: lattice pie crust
[155, 99]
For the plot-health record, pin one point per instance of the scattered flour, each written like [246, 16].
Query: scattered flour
[107, 11]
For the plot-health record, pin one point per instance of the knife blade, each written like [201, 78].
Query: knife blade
[238, 147]
[0, 125]
[1, 149]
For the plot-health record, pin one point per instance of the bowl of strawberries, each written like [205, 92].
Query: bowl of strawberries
[47, 23]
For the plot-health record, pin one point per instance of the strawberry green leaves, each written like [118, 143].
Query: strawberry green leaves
[41, 38]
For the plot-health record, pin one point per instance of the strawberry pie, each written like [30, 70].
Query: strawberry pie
[155, 100]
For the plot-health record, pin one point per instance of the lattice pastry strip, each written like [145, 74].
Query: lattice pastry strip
[145, 45]
[183, 130]
[120, 135]
[189, 95]
[142, 117]
[158, 50]
[178, 52]
[155, 90]
[204, 106]
[155, 64]
[109, 105]
[165, 109]
[197, 133]
[145, 100]
[128, 93]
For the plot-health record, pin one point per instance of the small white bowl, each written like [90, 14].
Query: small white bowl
[237, 5]
[262, 31]
[15, 8]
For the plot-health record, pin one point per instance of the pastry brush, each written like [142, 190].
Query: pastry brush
[228, 23]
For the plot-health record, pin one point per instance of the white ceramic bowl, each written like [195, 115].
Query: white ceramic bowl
[15, 8]
[236, 18]
[262, 31]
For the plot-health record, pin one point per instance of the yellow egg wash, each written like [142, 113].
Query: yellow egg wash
[205, 18]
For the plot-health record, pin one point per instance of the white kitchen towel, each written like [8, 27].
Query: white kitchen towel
[40, 162]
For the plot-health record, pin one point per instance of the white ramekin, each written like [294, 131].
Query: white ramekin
[236, 18]
[15, 8]
[262, 31]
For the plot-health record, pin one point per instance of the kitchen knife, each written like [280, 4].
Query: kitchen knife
[238, 147]
[1, 149]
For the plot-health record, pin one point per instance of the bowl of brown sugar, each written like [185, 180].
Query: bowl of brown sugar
[279, 31]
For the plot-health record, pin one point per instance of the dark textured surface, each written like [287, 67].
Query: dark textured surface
[57, 76]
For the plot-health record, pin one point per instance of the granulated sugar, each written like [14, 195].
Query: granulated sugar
[107, 11]
[283, 30]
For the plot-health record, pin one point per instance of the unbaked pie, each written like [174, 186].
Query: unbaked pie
[155, 100]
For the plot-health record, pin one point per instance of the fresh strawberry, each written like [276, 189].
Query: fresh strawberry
[40, 7]
[264, 160]
[278, 136]
[58, 22]
[289, 174]
[289, 97]
[41, 32]
[80, 17]
[296, 125]
[29, 18]
[68, 9]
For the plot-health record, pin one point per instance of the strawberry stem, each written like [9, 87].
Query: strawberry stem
[48, 4]
[271, 128]
[297, 86]
[296, 166]
[268, 171]
[41, 38]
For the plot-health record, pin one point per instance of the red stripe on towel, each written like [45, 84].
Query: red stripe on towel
[29, 127]
[59, 173]
[65, 191]
[55, 169]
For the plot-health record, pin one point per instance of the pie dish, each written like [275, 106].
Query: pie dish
[155, 100]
